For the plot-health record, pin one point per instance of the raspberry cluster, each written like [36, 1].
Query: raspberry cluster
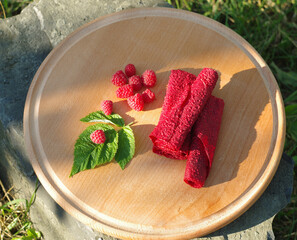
[129, 83]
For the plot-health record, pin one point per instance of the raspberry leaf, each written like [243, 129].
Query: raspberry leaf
[99, 116]
[126, 146]
[88, 155]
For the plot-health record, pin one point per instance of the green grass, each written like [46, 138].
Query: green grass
[15, 223]
[271, 28]
[9, 8]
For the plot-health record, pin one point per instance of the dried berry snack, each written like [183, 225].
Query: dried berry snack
[203, 142]
[180, 154]
[136, 102]
[149, 78]
[148, 96]
[197, 167]
[185, 98]
[125, 91]
[136, 82]
[119, 79]
[106, 106]
[201, 90]
[130, 70]
[98, 137]
[177, 93]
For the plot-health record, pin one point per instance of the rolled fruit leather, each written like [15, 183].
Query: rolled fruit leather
[204, 138]
[185, 98]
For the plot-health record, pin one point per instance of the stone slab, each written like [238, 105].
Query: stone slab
[25, 40]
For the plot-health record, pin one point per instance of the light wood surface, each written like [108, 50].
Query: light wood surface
[149, 200]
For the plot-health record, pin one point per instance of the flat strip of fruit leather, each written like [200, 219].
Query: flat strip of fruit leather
[205, 133]
[185, 98]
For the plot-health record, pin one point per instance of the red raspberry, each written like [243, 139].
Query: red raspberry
[136, 82]
[149, 78]
[136, 102]
[124, 91]
[148, 96]
[119, 78]
[130, 70]
[98, 136]
[106, 107]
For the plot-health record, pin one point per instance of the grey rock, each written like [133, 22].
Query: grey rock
[59, 18]
[25, 40]
[21, 55]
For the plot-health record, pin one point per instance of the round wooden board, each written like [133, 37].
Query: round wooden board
[149, 199]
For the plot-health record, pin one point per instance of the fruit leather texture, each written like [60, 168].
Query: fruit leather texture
[203, 142]
[185, 98]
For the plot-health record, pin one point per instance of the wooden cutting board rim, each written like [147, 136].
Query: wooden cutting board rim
[121, 229]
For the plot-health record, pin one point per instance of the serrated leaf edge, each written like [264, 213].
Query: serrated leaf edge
[127, 127]
[105, 118]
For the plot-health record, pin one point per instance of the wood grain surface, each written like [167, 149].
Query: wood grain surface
[149, 199]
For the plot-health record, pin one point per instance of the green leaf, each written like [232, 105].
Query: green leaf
[292, 129]
[88, 155]
[126, 147]
[33, 196]
[25, 238]
[286, 78]
[292, 98]
[5, 211]
[291, 110]
[32, 233]
[99, 116]
[13, 223]
[13, 202]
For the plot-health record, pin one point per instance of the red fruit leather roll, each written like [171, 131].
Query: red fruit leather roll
[185, 98]
[174, 154]
[177, 95]
[203, 143]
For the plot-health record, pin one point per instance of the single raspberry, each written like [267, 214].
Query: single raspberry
[130, 70]
[119, 78]
[148, 96]
[98, 136]
[136, 82]
[106, 107]
[149, 78]
[124, 91]
[136, 102]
